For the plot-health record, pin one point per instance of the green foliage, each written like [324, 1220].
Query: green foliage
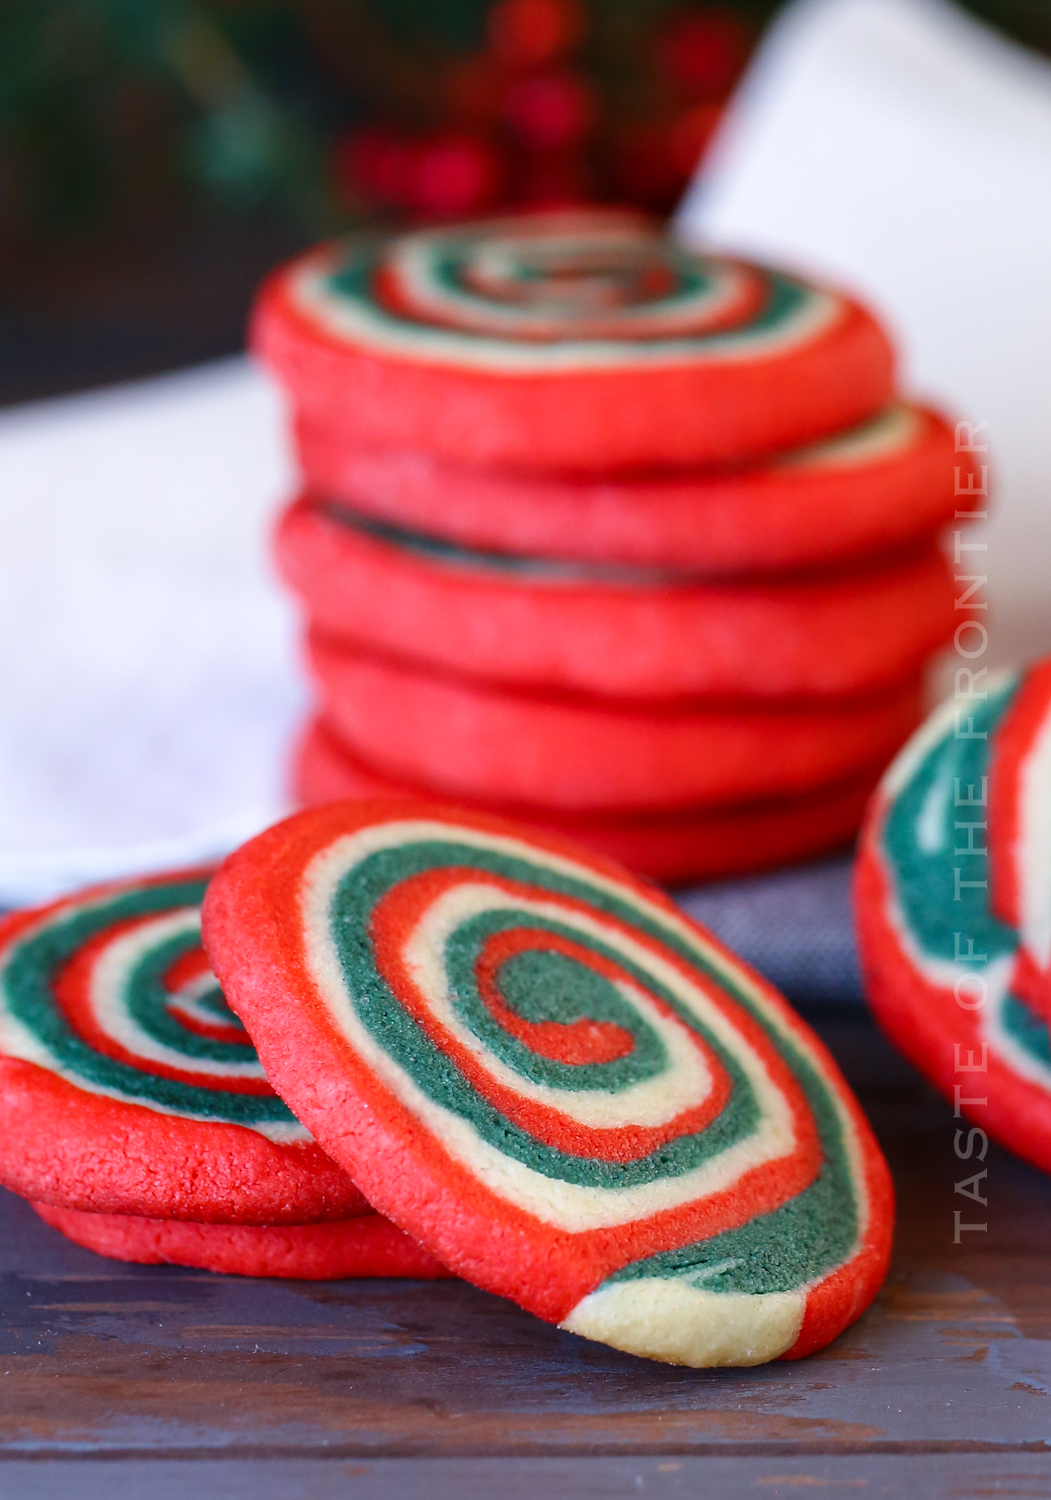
[114, 112]
[111, 107]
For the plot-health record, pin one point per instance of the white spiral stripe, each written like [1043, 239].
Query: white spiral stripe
[107, 996]
[938, 726]
[18, 1041]
[942, 974]
[992, 1029]
[188, 1009]
[412, 261]
[685, 1085]
[562, 1204]
[1032, 850]
[893, 432]
[193, 990]
[371, 327]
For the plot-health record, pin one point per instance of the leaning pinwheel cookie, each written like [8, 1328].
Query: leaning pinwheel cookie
[581, 340]
[882, 485]
[953, 896]
[566, 1091]
[126, 1084]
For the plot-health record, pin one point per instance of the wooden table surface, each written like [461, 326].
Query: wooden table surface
[127, 1381]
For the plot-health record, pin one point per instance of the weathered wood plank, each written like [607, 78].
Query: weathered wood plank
[890, 1476]
[954, 1360]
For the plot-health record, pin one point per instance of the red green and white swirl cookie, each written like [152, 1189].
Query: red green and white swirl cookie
[582, 340]
[671, 847]
[570, 753]
[563, 1088]
[876, 487]
[619, 632]
[1020, 832]
[365, 1245]
[126, 1083]
[952, 886]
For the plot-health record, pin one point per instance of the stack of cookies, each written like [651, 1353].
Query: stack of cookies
[444, 1044]
[634, 543]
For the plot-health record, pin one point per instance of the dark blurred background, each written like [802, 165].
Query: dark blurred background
[156, 156]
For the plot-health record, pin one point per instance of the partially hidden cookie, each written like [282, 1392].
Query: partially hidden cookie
[583, 340]
[953, 896]
[464, 738]
[673, 847]
[1019, 821]
[365, 1245]
[563, 1088]
[127, 1085]
[626, 633]
[874, 488]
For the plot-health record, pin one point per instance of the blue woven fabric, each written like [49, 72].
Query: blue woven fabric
[795, 926]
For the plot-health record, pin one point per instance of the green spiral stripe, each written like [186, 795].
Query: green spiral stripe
[692, 278]
[918, 844]
[28, 983]
[777, 1251]
[352, 280]
[919, 837]
[542, 986]
[1028, 1030]
[147, 997]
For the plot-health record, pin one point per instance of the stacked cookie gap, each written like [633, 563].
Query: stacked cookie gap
[635, 543]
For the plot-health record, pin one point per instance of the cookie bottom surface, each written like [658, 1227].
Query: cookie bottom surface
[673, 848]
[366, 1245]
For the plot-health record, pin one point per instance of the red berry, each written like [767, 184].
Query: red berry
[527, 33]
[548, 111]
[376, 163]
[703, 52]
[456, 174]
[356, 159]
[439, 176]
[396, 173]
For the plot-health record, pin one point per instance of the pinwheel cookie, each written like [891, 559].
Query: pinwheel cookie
[559, 1085]
[579, 754]
[673, 847]
[953, 892]
[583, 340]
[135, 1112]
[879, 486]
[624, 632]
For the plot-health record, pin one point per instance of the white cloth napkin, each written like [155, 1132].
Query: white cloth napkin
[148, 683]
[904, 150]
